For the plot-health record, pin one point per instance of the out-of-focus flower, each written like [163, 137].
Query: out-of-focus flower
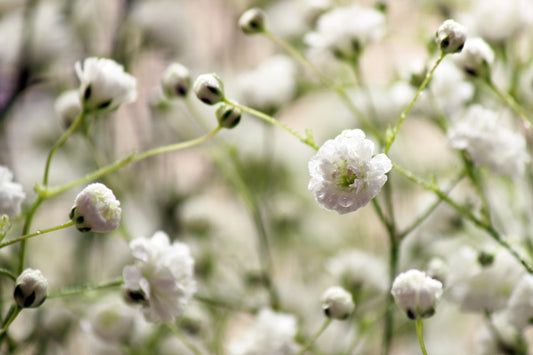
[478, 288]
[104, 85]
[252, 21]
[162, 279]
[96, 209]
[176, 80]
[476, 58]
[112, 321]
[228, 116]
[209, 88]
[272, 333]
[416, 293]
[270, 85]
[11, 194]
[345, 173]
[68, 107]
[489, 143]
[31, 289]
[451, 36]
[337, 303]
[499, 337]
[344, 32]
[520, 305]
[438, 269]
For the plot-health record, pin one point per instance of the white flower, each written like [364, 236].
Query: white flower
[270, 85]
[209, 88]
[416, 293]
[520, 304]
[162, 278]
[272, 334]
[31, 289]
[68, 106]
[228, 116]
[344, 32]
[451, 36]
[337, 303]
[96, 209]
[488, 142]
[476, 58]
[478, 288]
[252, 21]
[11, 193]
[176, 80]
[499, 338]
[344, 173]
[104, 85]
[111, 320]
[438, 269]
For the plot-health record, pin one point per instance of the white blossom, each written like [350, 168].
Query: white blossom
[337, 303]
[176, 80]
[489, 142]
[104, 85]
[96, 209]
[476, 58]
[162, 278]
[345, 175]
[520, 304]
[498, 337]
[11, 193]
[271, 334]
[451, 36]
[252, 21]
[31, 289]
[345, 31]
[416, 293]
[209, 88]
[68, 106]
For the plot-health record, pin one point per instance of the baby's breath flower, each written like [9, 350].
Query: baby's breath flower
[476, 58]
[31, 289]
[176, 80]
[416, 293]
[68, 107]
[252, 21]
[228, 116]
[345, 175]
[11, 194]
[520, 304]
[337, 303]
[96, 209]
[209, 88]
[162, 278]
[451, 36]
[104, 85]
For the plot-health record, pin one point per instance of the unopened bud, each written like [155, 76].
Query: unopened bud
[252, 21]
[31, 289]
[337, 303]
[68, 106]
[228, 116]
[451, 36]
[209, 88]
[476, 58]
[176, 81]
[96, 209]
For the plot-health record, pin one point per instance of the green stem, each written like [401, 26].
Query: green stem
[183, 338]
[404, 114]
[26, 230]
[484, 225]
[325, 80]
[306, 140]
[509, 100]
[316, 336]
[8, 274]
[420, 337]
[86, 288]
[389, 310]
[48, 192]
[14, 311]
[59, 143]
[216, 302]
[35, 234]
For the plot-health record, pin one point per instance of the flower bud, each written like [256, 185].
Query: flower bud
[252, 21]
[228, 116]
[451, 36]
[476, 58]
[209, 88]
[176, 81]
[337, 303]
[68, 106]
[31, 289]
[416, 293]
[96, 209]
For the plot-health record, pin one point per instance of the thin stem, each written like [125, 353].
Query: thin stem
[316, 336]
[393, 269]
[485, 225]
[183, 338]
[59, 143]
[306, 140]
[419, 328]
[8, 274]
[13, 312]
[404, 114]
[216, 302]
[35, 234]
[26, 230]
[47, 192]
[510, 101]
[325, 80]
[86, 288]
